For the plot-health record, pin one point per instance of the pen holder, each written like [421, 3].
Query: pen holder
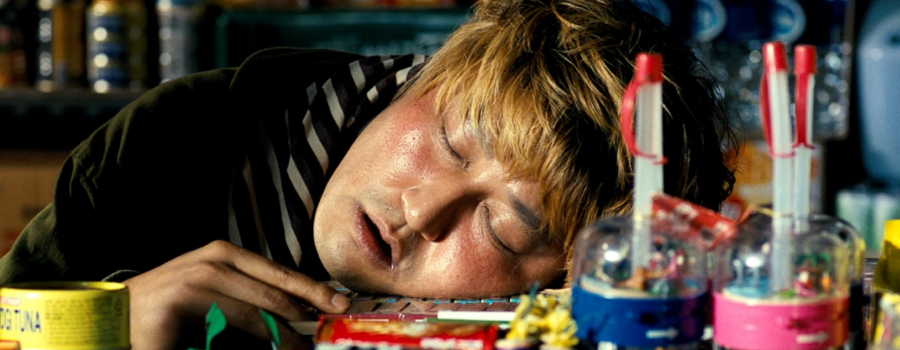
[653, 299]
[765, 301]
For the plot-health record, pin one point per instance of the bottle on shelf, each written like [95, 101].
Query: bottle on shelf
[13, 57]
[136, 27]
[116, 45]
[60, 44]
[178, 26]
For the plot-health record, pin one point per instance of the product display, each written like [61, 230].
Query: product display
[788, 274]
[671, 275]
[807, 309]
[641, 280]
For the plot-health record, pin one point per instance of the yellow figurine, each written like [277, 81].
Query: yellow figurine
[546, 319]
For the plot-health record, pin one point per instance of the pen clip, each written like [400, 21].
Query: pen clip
[804, 70]
[648, 70]
[774, 61]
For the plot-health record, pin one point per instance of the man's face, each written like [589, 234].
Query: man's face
[418, 208]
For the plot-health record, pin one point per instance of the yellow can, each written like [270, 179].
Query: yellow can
[65, 315]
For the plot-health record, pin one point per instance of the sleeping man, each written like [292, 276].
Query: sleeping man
[462, 175]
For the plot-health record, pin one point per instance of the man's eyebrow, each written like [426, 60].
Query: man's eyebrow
[531, 219]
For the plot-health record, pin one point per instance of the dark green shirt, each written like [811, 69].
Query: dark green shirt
[153, 182]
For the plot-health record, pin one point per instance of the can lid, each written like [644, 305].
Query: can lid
[67, 286]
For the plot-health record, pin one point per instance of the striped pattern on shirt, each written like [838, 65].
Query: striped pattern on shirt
[275, 191]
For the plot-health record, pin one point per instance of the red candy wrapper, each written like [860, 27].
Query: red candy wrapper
[406, 334]
[713, 227]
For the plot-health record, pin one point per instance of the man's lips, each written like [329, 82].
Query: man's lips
[384, 246]
[372, 245]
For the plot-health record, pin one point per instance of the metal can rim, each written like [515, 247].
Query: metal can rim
[55, 287]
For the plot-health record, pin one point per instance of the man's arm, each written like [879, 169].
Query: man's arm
[127, 194]
[148, 193]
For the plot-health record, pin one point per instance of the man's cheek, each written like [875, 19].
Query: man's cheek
[482, 268]
[410, 158]
[460, 265]
[464, 280]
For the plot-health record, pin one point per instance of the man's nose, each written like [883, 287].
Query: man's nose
[430, 209]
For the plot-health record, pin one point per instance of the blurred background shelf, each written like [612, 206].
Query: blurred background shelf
[239, 33]
[42, 44]
[53, 45]
[58, 120]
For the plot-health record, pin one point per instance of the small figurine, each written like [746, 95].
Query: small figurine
[638, 281]
[669, 281]
[812, 275]
[545, 320]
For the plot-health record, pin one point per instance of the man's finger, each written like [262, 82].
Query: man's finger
[227, 280]
[317, 294]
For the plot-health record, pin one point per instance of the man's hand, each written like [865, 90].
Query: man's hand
[169, 303]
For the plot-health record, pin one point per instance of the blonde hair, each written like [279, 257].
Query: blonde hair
[542, 81]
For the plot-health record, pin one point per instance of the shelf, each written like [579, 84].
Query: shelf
[58, 120]
[238, 33]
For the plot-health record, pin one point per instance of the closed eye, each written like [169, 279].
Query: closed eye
[445, 142]
[489, 231]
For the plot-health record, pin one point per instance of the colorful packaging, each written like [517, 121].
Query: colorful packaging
[336, 333]
[887, 327]
[886, 285]
[713, 227]
[887, 278]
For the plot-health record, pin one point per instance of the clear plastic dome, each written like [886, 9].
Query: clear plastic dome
[845, 232]
[856, 246]
[640, 284]
[819, 264]
[674, 260]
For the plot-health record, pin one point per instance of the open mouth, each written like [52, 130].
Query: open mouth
[374, 245]
[382, 244]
